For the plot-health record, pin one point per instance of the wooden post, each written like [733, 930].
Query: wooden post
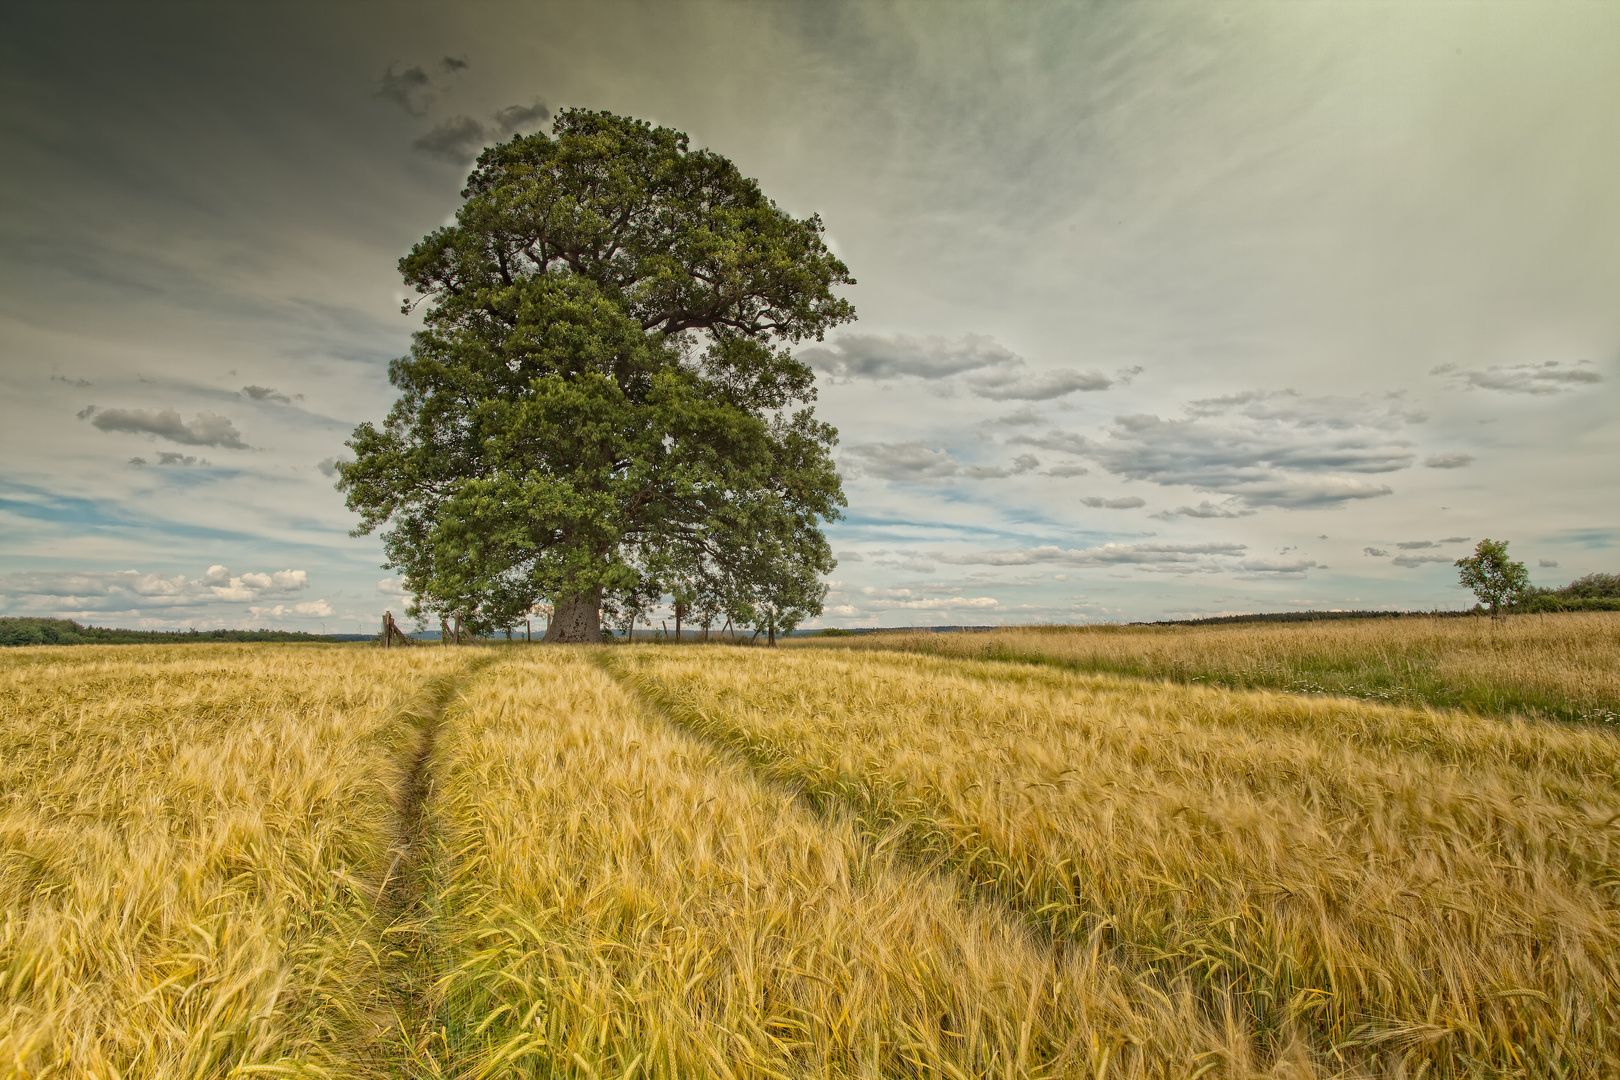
[391, 633]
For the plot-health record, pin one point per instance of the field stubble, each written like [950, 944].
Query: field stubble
[1402, 890]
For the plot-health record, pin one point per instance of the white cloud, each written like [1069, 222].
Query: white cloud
[309, 609]
[125, 589]
[1548, 377]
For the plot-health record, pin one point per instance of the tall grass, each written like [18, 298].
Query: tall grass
[617, 898]
[1561, 666]
[192, 844]
[1416, 892]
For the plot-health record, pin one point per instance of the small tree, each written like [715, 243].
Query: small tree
[1493, 577]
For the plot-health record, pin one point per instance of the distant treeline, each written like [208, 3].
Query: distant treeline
[24, 631]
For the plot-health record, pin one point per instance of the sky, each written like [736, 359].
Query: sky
[1166, 310]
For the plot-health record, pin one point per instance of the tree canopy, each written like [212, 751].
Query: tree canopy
[602, 401]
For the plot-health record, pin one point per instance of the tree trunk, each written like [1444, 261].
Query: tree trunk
[770, 635]
[576, 619]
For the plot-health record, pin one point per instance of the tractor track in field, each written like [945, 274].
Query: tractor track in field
[402, 1028]
[884, 830]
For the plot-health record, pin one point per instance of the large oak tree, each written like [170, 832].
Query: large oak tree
[602, 392]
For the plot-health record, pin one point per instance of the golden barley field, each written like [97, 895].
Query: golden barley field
[714, 861]
[1563, 665]
[192, 843]
[1399, 891]
[1560, 666]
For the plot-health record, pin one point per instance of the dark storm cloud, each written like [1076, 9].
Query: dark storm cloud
[454, 64]
[208, 429]
[459, 139]
[1549, 377]
[456, 140]
[517, 118]
[988, 368]
[408, 89]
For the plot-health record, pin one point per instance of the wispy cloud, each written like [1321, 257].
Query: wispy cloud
[1452, 459]
[170, 457]
[265, 393]
[1182, 558]
[1130, 502]
[1419, 560]
[984, 366]
[1277, 569]
[1548, 377]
